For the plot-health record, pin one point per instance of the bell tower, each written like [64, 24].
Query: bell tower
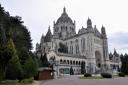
[105, 48]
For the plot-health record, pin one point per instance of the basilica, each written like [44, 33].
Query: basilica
[67, 49]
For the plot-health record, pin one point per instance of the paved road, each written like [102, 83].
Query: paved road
[74, 80]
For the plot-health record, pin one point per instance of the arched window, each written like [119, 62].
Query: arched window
[66, 28]
[71, 49]
[67, 61]
[76, 62]
[64, 61]
[79, 62]
[71, 62]
[61, 61]
[83, 44]
[77, 46]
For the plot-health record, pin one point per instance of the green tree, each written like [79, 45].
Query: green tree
[44, 61]
[124, 61]
[71, 71]
[14, 69]
[19, 32]
[12, 27]
[7, 51]
[30, 67]
[82, 67]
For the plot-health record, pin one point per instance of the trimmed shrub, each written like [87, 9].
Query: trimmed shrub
[121, 75]
[87, 75]
[106, 75]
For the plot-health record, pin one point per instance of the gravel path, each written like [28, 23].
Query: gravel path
[74, 80]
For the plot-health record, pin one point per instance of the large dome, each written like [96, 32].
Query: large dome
[64, 18]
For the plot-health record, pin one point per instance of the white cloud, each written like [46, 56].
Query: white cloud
[119, 41]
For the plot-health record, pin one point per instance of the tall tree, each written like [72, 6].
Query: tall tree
[82, 67]
[71, 71]
[13, 28]
[7, 51]
[44, 61]
[14, 69]
[124, 61]
[30, 68]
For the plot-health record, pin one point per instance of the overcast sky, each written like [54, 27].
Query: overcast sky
[39, 14]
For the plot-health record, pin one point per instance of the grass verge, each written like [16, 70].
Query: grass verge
[94, 77]
[16, 82]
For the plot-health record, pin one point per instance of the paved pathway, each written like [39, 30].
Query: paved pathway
[74, 80]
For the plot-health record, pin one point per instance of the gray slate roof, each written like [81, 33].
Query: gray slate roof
[48, 36]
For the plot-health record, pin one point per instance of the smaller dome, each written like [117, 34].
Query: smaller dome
[42, 38]
[48, 36]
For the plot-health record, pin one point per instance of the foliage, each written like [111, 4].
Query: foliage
[15, 29]
[14, 69]
[71, 71]
[121, 74]
[63, 48]
[106, 75]
[15, 48]
[44, 61]
[7, 51]
[124, 61]
[82, 67]
[30, 68]
[87, 75]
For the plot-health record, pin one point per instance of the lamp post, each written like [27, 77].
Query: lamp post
[57, 68]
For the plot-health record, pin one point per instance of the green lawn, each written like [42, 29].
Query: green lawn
[12, 83]
[15, 82]
[6, 83]
[93, 77]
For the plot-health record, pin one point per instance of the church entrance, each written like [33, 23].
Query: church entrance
[98, 60]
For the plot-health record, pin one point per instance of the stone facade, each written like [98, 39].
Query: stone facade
[88, 45]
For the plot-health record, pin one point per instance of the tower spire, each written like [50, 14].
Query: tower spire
[89, 23]
[103, 30]
[49, 27]
[64, 10]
